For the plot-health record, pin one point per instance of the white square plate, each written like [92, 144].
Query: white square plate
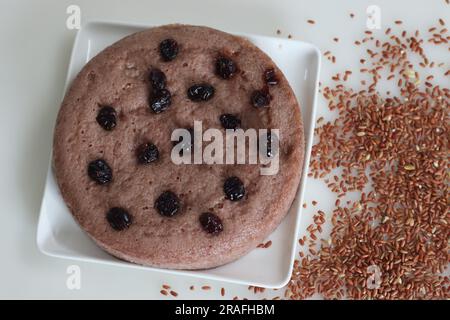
[59, 235]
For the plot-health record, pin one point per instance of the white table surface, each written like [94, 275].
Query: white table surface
[35, 47]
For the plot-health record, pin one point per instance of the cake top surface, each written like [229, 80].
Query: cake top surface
[112, 147]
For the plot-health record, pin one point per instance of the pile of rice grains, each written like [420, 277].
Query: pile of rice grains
[391, 150]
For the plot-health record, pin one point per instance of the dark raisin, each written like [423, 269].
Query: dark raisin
[157, 79]
[200, 92]
[99, 171]
[270, 77]
[187, 145]
[260, 98]
[168, 49]
[234, 189]
[230, 121]
[225, 67]
[147, 153]
[119, 218]
[211, 223]
[106, 117]
[160, 100]
[167, 204]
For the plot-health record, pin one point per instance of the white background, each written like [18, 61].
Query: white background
[35, 47]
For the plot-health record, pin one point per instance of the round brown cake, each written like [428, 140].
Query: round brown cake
[112, 147]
